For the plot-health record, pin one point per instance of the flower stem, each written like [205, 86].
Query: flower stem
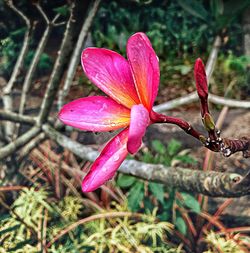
[161, 118]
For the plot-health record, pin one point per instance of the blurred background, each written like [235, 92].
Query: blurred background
[42, 208]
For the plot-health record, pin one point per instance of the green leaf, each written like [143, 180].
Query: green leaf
[165, 216]
[17, 33]
[181, 225]
[157, 190]
[148, 157]
[195, 8]
[20, 245]
[191, 202]
[125, 180]
[184, 69]
[148, 205]
[173, 147]
[158, 147]
[185, 159]
[6, 230]
[135, 196]
[63, 10]
[217, 7]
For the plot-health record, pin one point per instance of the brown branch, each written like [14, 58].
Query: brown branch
[57, 72]
[211, 183]
[18, 143]
[14, 117]
[35, 60]
[75, 58]
[7, 99]
[231, 146]
[31, 145]
[12, 188]
[228, 102]
[24, 49]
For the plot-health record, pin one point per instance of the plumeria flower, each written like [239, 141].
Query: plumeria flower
[131, 87]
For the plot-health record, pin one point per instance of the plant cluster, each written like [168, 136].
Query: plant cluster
[138, 219]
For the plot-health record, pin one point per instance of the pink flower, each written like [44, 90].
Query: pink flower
[131, 86]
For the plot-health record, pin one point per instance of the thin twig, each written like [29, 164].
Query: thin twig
[14, 117]
[35, 60]
[31, 145]
[24, 49]
[12, 188]
[18, 143]
[7, 99]
[228, 102]
[192, 97]
[75, 58]
[57, 72]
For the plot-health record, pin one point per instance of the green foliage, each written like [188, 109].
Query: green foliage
[125, 181]
[220, 244]
[195, 8]
[147, 194]
[29, 207]
[169, 156]
[19, 230]
[232, 73]
[191, 202]
[136, 195]
[175, 28]
[218, 15]
[62, 10]
[157, 190]
[8, 53]
[129, 236]
[10, 49]
[180, 224]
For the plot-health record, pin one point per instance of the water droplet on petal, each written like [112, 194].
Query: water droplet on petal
[104, 107]
[85, 56]
[116, 157]
[117, 141]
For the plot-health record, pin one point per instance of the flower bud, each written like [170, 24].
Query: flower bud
[200, 79]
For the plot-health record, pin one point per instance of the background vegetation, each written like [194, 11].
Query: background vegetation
[42, 207]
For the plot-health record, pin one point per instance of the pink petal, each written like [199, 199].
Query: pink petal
[111, 73]
[95, 113]
[105, 166]
[137, 128]
[145, 68]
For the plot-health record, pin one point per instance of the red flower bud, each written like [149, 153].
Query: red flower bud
[200, 79]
